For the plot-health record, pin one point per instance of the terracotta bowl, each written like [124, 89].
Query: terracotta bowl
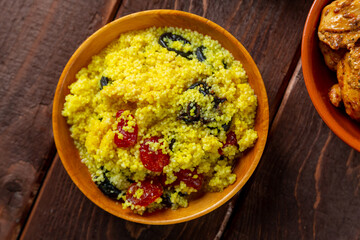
[93, 45]
[319, 79]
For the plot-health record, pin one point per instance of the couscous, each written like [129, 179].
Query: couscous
[160, 114]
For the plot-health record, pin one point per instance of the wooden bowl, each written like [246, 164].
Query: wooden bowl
[94, 44]
[319, 79]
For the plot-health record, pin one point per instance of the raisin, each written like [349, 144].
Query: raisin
[152, 190]
[231, 139]
[153, 160]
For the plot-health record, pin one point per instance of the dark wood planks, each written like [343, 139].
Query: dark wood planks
[307, 183]
[266, 28]
[36, 40]
[67, 214]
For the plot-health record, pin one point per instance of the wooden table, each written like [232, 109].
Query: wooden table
[305, 187]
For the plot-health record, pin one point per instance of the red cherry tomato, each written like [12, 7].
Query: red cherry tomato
[230, 140]
[118, 114]
[152, 190]
[186, 176]
[129, 139]
[162, 179]
[154, 161]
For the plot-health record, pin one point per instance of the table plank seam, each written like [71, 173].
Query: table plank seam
[44, 172]
[220, 231]
[284, 85]
[272, 124]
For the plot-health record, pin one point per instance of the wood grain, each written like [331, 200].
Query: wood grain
[70, 215]
[36, 40]
[266, 28]
[307, 183]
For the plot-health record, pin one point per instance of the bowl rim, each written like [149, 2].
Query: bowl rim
[261, 142]
[316, 99]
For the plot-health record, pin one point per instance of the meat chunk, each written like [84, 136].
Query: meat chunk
[340, 24]
[348, 74]
[331, 56]
[335, 95]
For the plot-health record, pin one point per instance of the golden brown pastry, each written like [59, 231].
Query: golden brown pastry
[340, 24]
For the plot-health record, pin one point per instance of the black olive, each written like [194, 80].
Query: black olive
[130, 180]
[217, 101]
[187, 117]
[182, 194]
[166, 201]
[193, 107]
[174, 37]
[226, 126]
[183, 116]
[103, 82]
[225, 65]
[203, 87]
[206, 90]
[206, 120]
[108, 189]
[199, 54]
[171, 144]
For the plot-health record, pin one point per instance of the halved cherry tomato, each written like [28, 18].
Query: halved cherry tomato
[152, 190]
[186, 176]
[230, 140]
[129, 138]
[153, 160]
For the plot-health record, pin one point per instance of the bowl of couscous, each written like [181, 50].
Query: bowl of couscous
[160, 117]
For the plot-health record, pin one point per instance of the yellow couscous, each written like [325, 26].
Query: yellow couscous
[159, 114]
